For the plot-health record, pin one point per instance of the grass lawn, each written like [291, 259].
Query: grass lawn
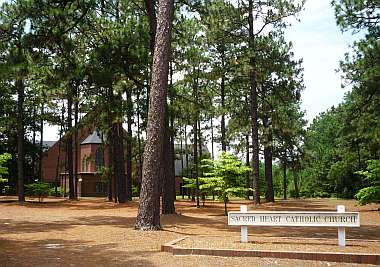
[92, 232]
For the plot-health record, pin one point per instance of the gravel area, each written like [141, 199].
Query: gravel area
[92, 232]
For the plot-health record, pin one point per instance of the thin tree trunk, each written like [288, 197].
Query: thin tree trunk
[222, 122]
[41, 143]
[169, 192]
[34, 166]
[118, 150]
[295, 181]
[139, 142]
[285, 179]
[254, 115]
[76, 145]
[268, 158]
[247, 163]
[59, 153]
[129, 144]
[212, 139]
[20, 140]
[148, 217]
[69, 142]
[110, 146]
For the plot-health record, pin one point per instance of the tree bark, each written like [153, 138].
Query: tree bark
[76, 144]
[254, 113]
[151, 10]
[222, 122]
[20, 140]
[41, 144]
[118, 150]
[168, 189]
[129, 144]
[69, 144]
[295, 181]
[284, 175]
[247, 163]
[139, 142]
[110, 146]
[268, 158]
[148, 217]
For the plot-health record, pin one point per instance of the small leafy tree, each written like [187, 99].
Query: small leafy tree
[38, 189]
[370, 194]
[4, 170]
[225, 177]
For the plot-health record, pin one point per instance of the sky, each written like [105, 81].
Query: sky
[319, 41]
[321, 44]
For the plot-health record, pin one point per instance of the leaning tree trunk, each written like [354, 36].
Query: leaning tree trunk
[254, 113]
[20, 140]
[148, 217]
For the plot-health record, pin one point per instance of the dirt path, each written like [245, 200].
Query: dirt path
[92, 232]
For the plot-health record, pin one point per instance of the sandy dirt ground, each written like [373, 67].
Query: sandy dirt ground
[92, 232]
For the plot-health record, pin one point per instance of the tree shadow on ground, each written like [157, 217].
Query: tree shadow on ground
[58, 252]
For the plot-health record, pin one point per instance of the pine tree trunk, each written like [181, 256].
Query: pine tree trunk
[41, 143]
[129, 144]
[118, 150]
[247, 163]
[139, 142]
[268, 158]
[168, 194]
[254, 113]
[212, 138]
[76, 146]
[148, 217]
[20, 140]
[34, 155]
[110, 190]
[284, 176]
[69, 146]
[222, 122]
[295, 180]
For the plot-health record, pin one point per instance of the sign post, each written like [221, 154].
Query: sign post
[243, 228]
[341, 230]
[339, 219]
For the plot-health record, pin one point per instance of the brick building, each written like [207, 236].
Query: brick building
[92, 155]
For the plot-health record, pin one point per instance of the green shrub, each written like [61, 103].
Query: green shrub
[370, 194]
[59, 191]
[38, 189]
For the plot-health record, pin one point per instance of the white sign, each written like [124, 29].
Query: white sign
[346, 219]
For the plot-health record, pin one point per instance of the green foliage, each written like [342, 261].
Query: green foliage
[370, 194]
[38, 189]
[4, 170]
[224, 177]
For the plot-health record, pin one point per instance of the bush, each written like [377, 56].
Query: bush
[370, 194]
[38, 189]
[59, 191]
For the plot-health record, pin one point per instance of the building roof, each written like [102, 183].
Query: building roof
[93, 138]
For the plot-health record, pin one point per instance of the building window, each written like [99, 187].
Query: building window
[99, 159]
[84, 164]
